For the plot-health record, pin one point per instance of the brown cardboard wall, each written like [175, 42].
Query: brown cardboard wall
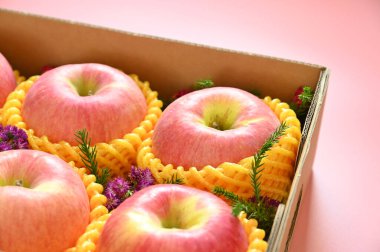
[29, 42]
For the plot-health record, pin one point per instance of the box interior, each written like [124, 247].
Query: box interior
[30, 42]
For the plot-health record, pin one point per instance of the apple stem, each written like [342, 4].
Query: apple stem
[19, 182]
[215, 125]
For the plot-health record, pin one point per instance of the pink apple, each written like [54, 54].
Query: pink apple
[104, 100]
[172, 218]
[212, 126]
[7, 79]
[43, 202]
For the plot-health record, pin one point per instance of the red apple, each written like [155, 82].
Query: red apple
[104, 100]
[172, 218]
[212, 126]
[7, 79]
[43, 202]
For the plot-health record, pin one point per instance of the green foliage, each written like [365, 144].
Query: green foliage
[259, 208]
[256, 167]
[205, 83]
[173, 180]
[220, 191]
[88, 156]
[301, 102]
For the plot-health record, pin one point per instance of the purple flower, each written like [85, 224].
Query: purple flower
[112, 200]
[13, 138]
[118, 189]
[141, 178]
[116, 192]
[268, 202]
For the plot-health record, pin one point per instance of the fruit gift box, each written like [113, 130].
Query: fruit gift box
[172, 68]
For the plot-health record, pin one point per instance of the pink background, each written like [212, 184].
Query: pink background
[340, 211]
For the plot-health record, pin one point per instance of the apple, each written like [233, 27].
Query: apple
[172, 218]
[7, 79]
[212, 126]
[104, 100]
[43, 202]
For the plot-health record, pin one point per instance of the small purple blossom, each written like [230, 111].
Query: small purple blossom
[271, 202]
[13, 138]
[116, 192]
[118, 189]
[267, 201]
[112, 200]
[141, 178]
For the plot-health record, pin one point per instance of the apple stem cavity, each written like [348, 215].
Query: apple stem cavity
[85, 87]
[221, 122]
[220, 117]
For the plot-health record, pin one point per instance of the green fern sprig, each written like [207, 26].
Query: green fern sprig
[257, 207]
[301, 102]
[173, 180]
[88, 157]
[220, 191]
[256, 167]
[204, 83]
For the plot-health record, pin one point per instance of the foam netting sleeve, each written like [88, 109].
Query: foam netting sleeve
[117, 155]
[278, 166]
[255, 235]
[19, 78]
[98, 212]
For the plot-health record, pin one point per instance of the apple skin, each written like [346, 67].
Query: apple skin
[182, 136]
[7, 79]
[172, 218]
[50, 212]
[102, 99]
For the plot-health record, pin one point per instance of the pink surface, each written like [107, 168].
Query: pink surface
[340, 211]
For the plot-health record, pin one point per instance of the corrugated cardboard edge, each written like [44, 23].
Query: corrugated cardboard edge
[305, 159]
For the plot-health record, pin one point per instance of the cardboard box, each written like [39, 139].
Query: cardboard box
[30, 42]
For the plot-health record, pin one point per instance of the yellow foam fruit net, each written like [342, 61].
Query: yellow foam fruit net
[99, 215]
[98, 212]
[19, 78]
[118, 155]
[255, 235]
[278, 166]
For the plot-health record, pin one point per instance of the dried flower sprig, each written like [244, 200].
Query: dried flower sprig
[13, 138]
[47, 68]
[301, 102]
[88, 156]
[260, 208]
[119, 189]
